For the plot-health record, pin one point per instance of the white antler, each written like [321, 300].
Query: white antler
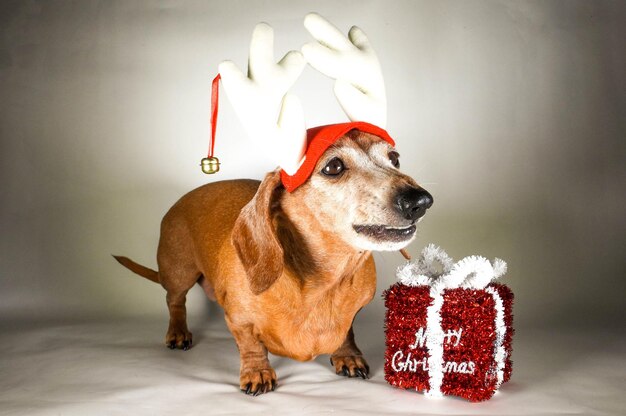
[268, 113]
[352, 62]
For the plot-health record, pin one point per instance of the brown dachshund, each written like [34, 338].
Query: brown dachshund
[291, 270]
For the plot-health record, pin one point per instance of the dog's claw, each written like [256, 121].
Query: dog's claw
[178, 337]
[257, 381]
[351, 366]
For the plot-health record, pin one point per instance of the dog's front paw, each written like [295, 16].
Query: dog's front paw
[351, 366]
[259, 381]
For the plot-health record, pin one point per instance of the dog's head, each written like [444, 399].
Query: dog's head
[357, 193]
[360, 194]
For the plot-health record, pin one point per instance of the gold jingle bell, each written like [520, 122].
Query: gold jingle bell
[210, 165]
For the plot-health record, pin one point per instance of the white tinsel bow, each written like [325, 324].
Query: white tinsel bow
[472, 272]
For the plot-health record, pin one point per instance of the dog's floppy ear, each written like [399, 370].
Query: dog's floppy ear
[254, 236]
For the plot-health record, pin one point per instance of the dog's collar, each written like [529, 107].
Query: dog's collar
[321, 138]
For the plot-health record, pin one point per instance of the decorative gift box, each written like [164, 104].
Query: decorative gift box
[449, 331]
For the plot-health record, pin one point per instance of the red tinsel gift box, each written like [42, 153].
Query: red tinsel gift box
[471, 355]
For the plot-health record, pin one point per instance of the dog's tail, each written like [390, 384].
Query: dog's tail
[138, 268]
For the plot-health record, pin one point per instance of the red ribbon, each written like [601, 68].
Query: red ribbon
[215, 95]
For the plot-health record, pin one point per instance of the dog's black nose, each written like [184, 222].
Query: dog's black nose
[412, 203]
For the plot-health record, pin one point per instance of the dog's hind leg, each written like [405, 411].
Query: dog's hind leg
[178, 336]
[177, 274]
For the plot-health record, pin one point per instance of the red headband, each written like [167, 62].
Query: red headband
[321, 138]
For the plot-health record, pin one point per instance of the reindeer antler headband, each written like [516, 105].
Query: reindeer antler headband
[273, 116]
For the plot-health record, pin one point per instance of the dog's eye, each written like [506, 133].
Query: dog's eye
[395, 159]
[334, 167]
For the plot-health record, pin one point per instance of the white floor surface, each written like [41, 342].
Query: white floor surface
[122, 368]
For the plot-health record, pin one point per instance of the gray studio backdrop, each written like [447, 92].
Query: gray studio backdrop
[511, 113]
